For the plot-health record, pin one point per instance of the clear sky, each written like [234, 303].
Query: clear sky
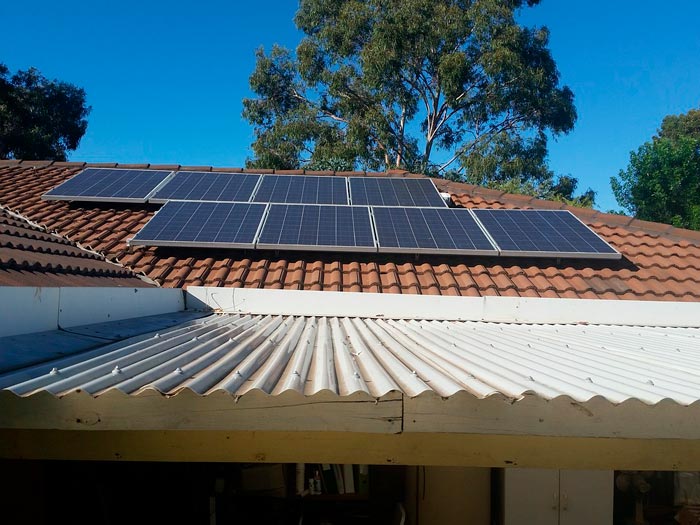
[165, 79]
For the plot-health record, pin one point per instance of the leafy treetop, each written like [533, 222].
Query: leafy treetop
[662, 181]
[433, 86]
[39, 118]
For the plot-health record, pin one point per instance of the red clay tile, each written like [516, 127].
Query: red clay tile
[661, 262]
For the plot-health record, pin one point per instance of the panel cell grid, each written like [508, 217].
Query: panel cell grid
[205, 224]
[109, 185]
[394, 192]
[430, 230]
[312, 227]
[302, 189]
[207, 186]
[546, 233]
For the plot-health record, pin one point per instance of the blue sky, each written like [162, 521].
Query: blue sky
[166, 79]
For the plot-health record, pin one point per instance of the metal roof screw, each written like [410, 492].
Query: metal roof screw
[54, 371]
[157, 336]
[296, 373]
[178, 370]
[414, 372]
[589, 380]
[357, 375]
[531, 378]
[116, 370]
[238, 373]
[650, 382]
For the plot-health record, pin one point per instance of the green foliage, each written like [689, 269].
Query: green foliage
[662, 181]
[380, 84]
[39, 118]
[676, 126]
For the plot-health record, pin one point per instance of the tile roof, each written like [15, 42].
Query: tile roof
[29, 256]
[659, 262]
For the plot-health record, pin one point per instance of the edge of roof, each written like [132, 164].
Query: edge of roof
[34, 226]
[452, 187]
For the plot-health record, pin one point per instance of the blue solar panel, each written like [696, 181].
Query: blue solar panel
[302, 189]
[109, 185]
[314, 227]
[545, 233]
[430, 230]
[204, 224]
[369, 191]
[207, 186]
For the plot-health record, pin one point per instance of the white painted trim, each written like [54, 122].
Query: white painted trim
[81, 306]
[28, 309]
[490, 309]
[25, 309]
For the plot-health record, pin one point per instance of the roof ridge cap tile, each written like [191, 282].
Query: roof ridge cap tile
[81, 254]
[66, 240]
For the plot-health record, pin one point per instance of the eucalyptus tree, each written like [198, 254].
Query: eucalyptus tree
[434, 86]
[39, 118]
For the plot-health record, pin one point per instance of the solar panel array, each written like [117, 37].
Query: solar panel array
[302, 189]
[109, 185]
[394, 192]
[543, 233]
[212, 209]
[311, 227]
[208, 186]
[116, 185]
[430, 230]
[352, 228]
[205, 224]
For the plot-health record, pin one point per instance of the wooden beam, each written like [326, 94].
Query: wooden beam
[151, 410]
[463, 413]
[354, 447]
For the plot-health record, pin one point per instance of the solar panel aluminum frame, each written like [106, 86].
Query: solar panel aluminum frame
[316, 247]
[165, 200]
[201, 244]
[434, 251]
[614, 255]
[124, 200]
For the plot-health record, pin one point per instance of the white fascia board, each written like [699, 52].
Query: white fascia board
[489, 309]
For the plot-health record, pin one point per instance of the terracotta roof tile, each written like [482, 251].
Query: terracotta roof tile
[30, 256]
[660, 262]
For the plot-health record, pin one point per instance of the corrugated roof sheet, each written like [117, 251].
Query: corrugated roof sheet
[239, 354]
[660, 262]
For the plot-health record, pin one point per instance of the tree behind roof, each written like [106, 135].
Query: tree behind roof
[662, 180]
[380, 84]
[39, 118]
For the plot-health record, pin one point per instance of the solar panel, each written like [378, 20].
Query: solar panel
[317, 227]
[109, 185]
[430, 230]
[394, 192]
[207, 186]
[302, 189]
[545, 233]
[203, 224]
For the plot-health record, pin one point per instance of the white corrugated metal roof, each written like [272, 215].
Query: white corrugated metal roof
[239, 353]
